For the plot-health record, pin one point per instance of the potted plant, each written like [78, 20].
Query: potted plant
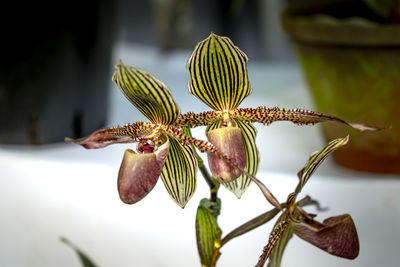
[167, 151]
[350, 54]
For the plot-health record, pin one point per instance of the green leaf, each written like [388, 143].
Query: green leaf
[218, 73]
[85, 261]
[208, 236]
[148, 94]
[179, 172]
[314, 161]
[335, 235]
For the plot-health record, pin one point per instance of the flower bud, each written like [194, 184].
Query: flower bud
[228, 140]
[139, 173]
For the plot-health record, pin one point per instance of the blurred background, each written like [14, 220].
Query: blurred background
[56, 62]
[171, 25]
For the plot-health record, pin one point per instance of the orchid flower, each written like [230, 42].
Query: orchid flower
[218, 77]
[162, 150]
[336, 235]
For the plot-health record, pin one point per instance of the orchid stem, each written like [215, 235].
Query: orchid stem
[211, 184]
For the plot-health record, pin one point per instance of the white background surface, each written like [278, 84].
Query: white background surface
[64, 190]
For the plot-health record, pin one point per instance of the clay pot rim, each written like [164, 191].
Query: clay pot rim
[328, 30]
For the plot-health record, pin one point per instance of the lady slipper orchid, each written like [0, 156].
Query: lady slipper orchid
[218, 77]
[336, 235]
[159, 151]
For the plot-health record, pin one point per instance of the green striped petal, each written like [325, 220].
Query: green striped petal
[314, 161]
[249, 132]
[214, 125]
[218, 73]
[179, 172]
[148, 94]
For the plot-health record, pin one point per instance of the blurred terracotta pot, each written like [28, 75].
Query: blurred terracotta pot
[352, 67]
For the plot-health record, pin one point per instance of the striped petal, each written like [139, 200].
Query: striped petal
[148, 94]
[314, 161]
[249, 132]
[218, 73]
[179, 172]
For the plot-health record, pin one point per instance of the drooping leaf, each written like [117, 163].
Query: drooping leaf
[218, 73]
[85, 260]
[228, 140]
[179, 172]
[139, 173]
[239, 185]
[314, 161]
[148, 94]
[335, 235]
[208, 235]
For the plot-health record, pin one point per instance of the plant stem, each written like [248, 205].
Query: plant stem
[211, 184]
